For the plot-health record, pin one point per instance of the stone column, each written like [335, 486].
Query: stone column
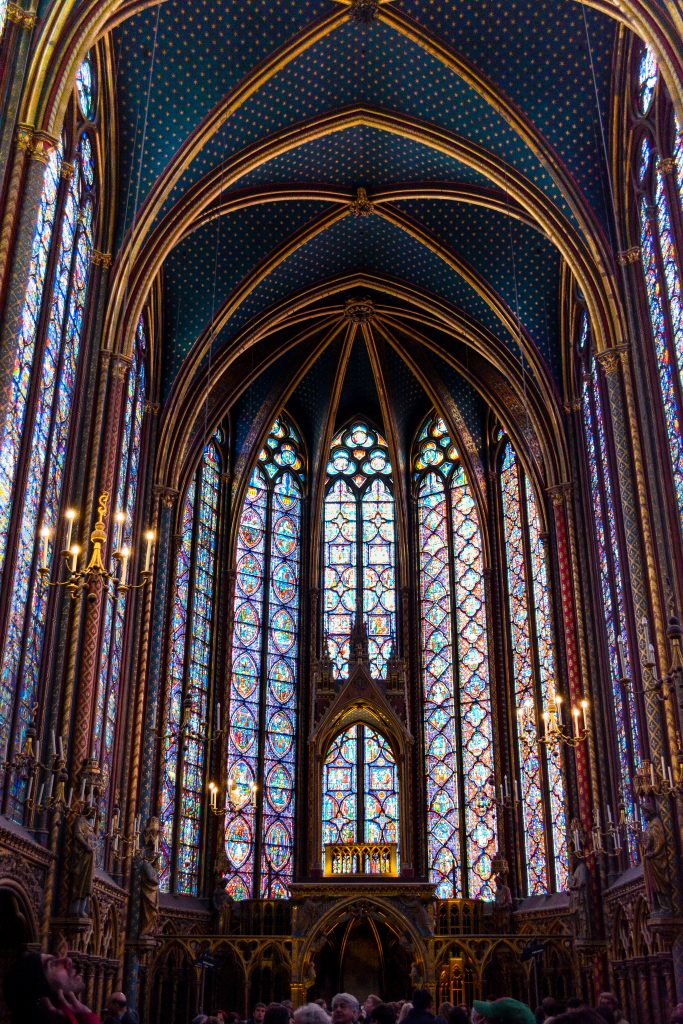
[32, 152]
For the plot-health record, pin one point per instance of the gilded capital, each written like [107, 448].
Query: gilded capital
[629, 256]
[120, 366]
[67, 169]
[101, 259]
[151, 407]
[42, 145]
[24, 138]
[667, 165]
[611, 359]
[18, 16]
[167, 495]
[559, 492]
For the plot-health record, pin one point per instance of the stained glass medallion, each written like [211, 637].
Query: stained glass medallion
[85, 88]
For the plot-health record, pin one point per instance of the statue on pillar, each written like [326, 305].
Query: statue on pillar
[655, 860]
[149, 879]
[579, 903]
[82, 861]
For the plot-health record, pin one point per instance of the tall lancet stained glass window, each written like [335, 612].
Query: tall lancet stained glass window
[261, 762]
[458, 728]
[540, 785]
[660, 188]
[360, 793]
[185, 750]
[125, 518]
[604, 509]
[359, 548]
[36, 437]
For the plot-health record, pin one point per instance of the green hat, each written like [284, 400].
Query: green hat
[507, 1011]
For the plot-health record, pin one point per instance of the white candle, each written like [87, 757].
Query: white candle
[125, 555]
[500, 794]
[41, 791]
[119, 520]
[575, 719]
[38, 751]
[53, 747]
[651, 654]
[29, 790]
[518, 789]
[558, 701]
[507, 787]
[584, 710]
[609, 814]
[71, 796]
[652, 773]
[149, 537]
[60, 744]
[75, 552]
[218, 716]
[597, 817]
[671, 777]
[70, 516]
[81, 795]
[44, 544]
[50, 783]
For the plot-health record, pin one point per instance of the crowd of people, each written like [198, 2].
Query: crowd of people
[46, 989]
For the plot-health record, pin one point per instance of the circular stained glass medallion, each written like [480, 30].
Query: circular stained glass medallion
[85, 87]
[280, 788]
[244, 675]
[249, 573]
[238, 841]
[283, 630]
[284, 582]
[282, 682]
[251, 527]
[247, 623]
[286, 534]
[277, 845]
[242, 730]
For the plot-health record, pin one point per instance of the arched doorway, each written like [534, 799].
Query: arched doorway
[16, 933]
[362, 954]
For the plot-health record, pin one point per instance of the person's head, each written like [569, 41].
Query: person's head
[370, 1003]
[551, 1006]
[311, 1014]
[382, 1013]
[36, 978]
[445, 1009]
[117, 1004]
[502, 1011]
[457, 1015]
[321, 1002]
[581, 1015]
[405, 1010]
[259, 1012]
[608, 1001]
[345, 1008]
[276, 1013]
[422, 999]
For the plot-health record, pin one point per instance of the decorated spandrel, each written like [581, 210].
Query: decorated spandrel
[611, 584]
[457, 690]
[525, 701]
[262, 726]
[359, 533]
[171, 743]
[282, 661]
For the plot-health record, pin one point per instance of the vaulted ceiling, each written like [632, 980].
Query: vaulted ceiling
[246, 131]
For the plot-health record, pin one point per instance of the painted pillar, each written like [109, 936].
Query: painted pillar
[32, 152]
[164, 517]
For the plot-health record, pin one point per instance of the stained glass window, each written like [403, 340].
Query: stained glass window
[124, 508]
[611, 579]
[185, 752]
[85, 88]
[540, 765]
[455, 670]
[647, 79]
[360, 757]
[261, 760]
[359, 548]
[3, 16]
[39, 421]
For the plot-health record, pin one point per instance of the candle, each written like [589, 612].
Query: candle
[584, 710]
[651, 654]
[670, 776]
[597, 817]
[663, 769]
[119, 520]
[70, 516]
[41, 791]
[125, 555]
[652, 773]
[507, 787]
[44, 544]
[50, 783]
[609, 814]
[53, 745]
[29, 790]
[500, 794]
[37, 746]
[71, 796]
[622, 656]
[81, 795]
[518, 789]
[558, 701]
[218, 716]
[149, 537]
[75, 552]
[575, 719]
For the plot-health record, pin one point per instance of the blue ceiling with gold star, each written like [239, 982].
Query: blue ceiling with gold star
[362, 103]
